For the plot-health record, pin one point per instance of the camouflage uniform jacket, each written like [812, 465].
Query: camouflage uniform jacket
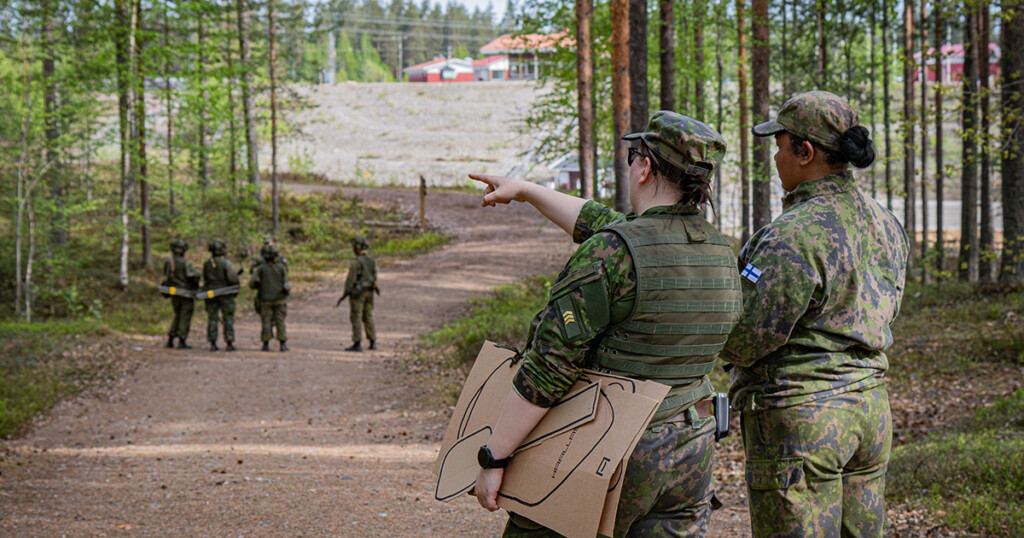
[552, 364]
[362, 275]
[180, 273]
[219, 272]
[270, 279]
[822, 284]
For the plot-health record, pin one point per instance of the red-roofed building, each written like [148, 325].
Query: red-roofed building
[953, 62]
[524, 51]
[441, 70]
[491, 68]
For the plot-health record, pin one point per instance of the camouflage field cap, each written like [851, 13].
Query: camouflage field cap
[683, 142]
[178, 244]
[819, 116]
[360, 243]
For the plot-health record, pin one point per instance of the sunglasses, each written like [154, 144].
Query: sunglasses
[631, 155]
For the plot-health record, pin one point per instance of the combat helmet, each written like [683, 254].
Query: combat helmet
[179, 244]
[268, 252]
[218, 247]
[360, 243]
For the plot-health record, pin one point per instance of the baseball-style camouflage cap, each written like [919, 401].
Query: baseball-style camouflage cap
[688, 144]
[819, 116]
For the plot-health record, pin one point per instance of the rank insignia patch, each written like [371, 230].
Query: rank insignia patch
[568, 317]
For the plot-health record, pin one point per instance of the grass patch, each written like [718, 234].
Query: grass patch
[971, 476]
[39, 364]
[503, 318]
[412, 245]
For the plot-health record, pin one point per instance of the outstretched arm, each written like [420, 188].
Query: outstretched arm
[560, 208]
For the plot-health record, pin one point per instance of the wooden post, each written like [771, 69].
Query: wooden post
[423, 210]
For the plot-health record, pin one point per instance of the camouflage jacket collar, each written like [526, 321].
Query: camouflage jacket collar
[675, 209]
[825, 186]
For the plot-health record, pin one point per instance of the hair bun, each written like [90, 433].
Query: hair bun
[856, 146]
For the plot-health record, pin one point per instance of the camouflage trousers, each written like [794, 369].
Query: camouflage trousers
[182, 322]
[360, 311]
[272, 316]
[818, 468]
[220, 309]
[667, 488]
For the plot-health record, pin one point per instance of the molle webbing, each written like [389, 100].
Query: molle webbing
[688, 300]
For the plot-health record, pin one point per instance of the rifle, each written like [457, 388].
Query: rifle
[376, 289]
[336, 305]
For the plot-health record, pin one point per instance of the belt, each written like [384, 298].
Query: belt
[704, 408]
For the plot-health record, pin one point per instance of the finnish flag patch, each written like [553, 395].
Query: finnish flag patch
[751, 273]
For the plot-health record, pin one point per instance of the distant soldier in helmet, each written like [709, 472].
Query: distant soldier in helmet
[270, 279]
[179, 273]
[267, 241]
[360, 285]
[220, 281]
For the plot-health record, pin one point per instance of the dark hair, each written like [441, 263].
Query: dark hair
[855, 147]
[695, 190]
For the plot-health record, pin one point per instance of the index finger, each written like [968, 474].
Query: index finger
[484, 178]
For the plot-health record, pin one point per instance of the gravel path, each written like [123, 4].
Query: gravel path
[311, 442]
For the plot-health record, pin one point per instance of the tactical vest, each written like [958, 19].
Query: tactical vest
[688, 300]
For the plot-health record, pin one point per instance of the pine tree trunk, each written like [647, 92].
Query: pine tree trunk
[886, 64]
[584, 98]
[822, 46]
[741, 32]
[719, 36]
[248, 109]
[1011, 270]
[986, 256]
[698, 51]
[667, 55]
[273, 123]
[968, 259]
[940, 170]
[232, 133]
[873, 73]
[620, 99]
[55, 178]
[23, 188]
[203, 138]
[170, 116]
[924, 143]
[638, 103]
[762, 161]
[909, 200]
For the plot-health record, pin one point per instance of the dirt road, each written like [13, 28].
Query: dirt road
[315, 441]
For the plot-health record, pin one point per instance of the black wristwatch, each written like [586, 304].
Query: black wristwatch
[487, 461]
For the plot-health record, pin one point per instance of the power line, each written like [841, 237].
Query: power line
[409, 21]
[407, 35]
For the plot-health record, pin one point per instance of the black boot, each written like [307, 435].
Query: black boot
[373, 344]
[170, 342]
[266, 346]
[213, 346]
[230, 346]
[284, 346]
[182, 344]
[355, 346]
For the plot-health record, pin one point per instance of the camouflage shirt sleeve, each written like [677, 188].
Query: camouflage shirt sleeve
[552, 363]
[593, 216]
[773, 302]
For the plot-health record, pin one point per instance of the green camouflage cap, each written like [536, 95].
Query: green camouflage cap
[692, 146]
[819, 116]
[268, 251]
[178, 244]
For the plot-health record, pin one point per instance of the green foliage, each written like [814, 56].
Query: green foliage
[503, 318]
[413, 245]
